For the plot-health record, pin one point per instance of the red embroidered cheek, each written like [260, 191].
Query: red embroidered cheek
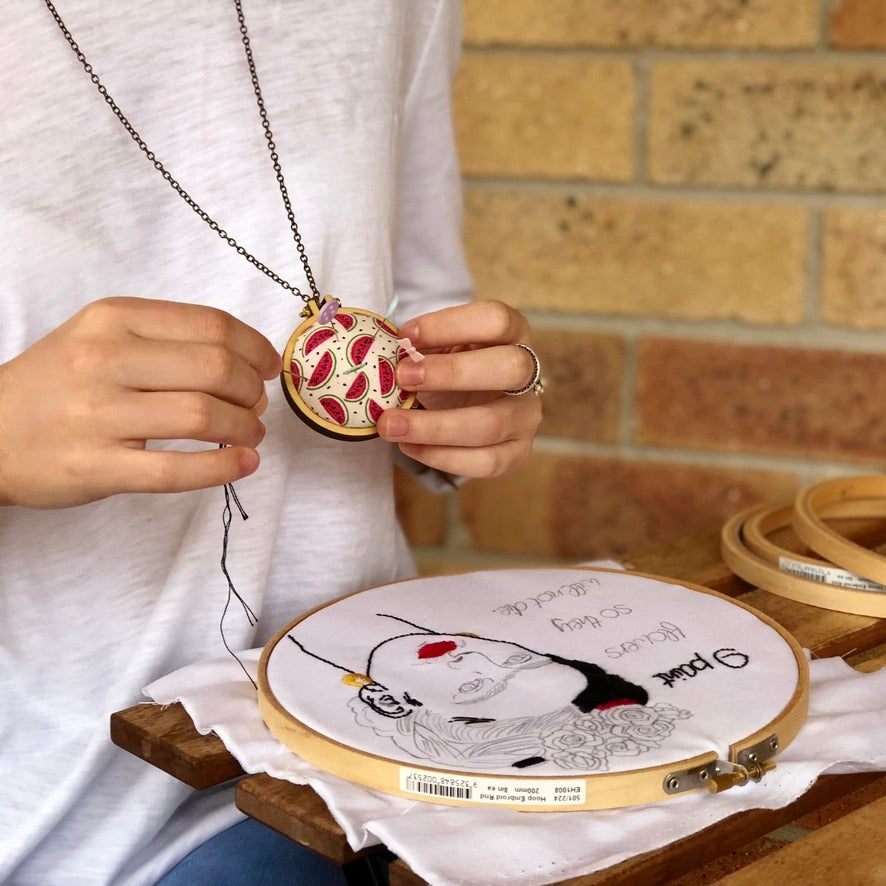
[435, 650]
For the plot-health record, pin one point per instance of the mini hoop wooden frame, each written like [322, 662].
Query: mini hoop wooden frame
[758, 567]
[296, 401]
[601, 791]
[823, 539]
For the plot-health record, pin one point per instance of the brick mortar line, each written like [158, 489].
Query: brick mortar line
[641, 119]
[701, 194]
[825, 10]
[814, 269]
[809, 337]
[627, 420]
[742, 461]
[814, 54]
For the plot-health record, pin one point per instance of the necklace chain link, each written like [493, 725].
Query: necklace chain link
[177, 187]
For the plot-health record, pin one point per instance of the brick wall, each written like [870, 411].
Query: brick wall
[688, 199]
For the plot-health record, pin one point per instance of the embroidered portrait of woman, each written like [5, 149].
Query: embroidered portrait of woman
[479, 702]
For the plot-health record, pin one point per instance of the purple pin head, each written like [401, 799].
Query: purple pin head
[329, 309]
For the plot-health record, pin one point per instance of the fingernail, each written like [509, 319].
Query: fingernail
[410, 374]
[409, 330]
[397, 426]
[249, 460]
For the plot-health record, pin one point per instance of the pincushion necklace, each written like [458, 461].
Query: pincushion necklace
[339, 364]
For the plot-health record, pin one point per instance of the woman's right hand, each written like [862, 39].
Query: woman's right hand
[78, 407]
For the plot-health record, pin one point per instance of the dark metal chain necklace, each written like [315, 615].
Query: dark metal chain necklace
[174, 184]
[339, 364]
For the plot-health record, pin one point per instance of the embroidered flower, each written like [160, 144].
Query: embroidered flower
[579, 744]
[645, 726]
[625, 747]
[588, 742]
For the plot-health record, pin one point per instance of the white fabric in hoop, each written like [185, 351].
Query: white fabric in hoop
[659, 660]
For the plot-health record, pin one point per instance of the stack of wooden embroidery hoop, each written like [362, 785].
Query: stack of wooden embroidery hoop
[839, 574]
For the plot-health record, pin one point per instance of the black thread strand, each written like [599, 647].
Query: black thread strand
[319, 657]
[251, 617]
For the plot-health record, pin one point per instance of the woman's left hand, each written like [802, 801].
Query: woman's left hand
[469, 426]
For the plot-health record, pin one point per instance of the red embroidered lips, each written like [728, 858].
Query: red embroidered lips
[435, 650]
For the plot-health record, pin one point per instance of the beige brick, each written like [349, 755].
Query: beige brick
[787, 401]
[545, 116]
[615, 23]
[859, 24]
[769, 126]
[626, 257]
[579, 507]
[854, 273]
[582, 373]
[422, 514]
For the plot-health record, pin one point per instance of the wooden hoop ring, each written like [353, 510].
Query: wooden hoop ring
[604, 791]
[760, 525]
[761, 573]
[812, 529]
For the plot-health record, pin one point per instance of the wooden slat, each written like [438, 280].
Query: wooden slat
[400, 874]
[166, 738]
[679, 858]
[869, 659]
[694, 559]
[851, 850]
[296, 812]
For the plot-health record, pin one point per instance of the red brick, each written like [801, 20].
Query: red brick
[859, 24]
[748, 398]
[582, 373]
[579, 507]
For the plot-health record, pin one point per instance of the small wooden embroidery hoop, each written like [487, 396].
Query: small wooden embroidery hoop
[757, 566]
[297, 403]
[603, 791]
[826, 541]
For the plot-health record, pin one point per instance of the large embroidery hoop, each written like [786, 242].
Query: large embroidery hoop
[734, 675]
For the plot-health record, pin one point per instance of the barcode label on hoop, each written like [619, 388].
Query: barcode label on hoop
[829, 575]
[425, 783]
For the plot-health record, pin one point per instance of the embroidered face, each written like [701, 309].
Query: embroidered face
[471, 677]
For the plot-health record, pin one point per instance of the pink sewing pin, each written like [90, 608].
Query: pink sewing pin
[407, 346]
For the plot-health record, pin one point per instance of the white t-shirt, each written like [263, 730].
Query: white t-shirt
[99, 600]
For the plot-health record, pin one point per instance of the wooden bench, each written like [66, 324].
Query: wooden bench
[841, 817]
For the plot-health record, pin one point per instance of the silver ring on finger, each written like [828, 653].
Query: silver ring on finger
[535, 383]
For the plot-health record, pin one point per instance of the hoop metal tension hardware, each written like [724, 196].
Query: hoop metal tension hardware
[721, 775]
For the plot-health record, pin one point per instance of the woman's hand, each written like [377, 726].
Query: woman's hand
[78, 407]
[469, 425]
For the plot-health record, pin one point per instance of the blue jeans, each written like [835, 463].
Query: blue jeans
[250, 854]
